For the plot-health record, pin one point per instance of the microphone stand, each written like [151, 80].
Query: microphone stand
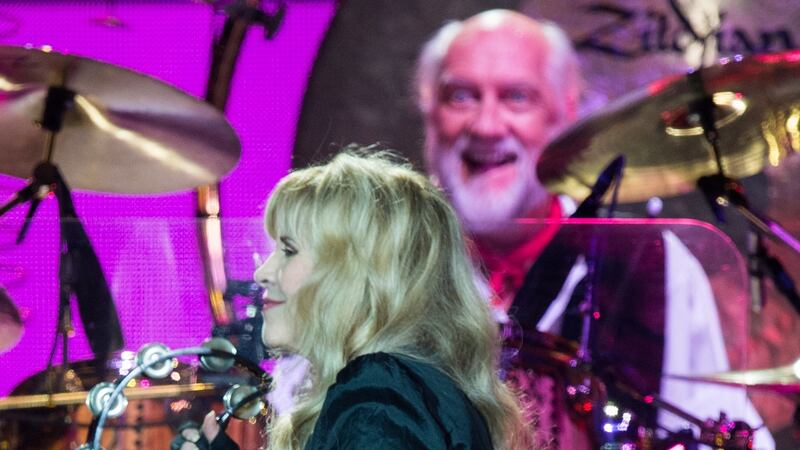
[609, 177]
[227, 43]
[589, 307]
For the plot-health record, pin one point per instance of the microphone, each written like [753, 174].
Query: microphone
[613, 171]
[249, 289]
[246, 336]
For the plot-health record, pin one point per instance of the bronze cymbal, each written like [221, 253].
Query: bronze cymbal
[11, 327]
[125, 132]
[782, 379]
[758, 107]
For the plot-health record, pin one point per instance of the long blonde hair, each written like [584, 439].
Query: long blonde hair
[391, 274]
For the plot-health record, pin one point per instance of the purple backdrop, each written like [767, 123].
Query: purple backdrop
[148, 245]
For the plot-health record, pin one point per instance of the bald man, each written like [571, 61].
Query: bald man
[494, 90]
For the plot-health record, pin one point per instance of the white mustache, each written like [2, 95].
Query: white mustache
[489, 151]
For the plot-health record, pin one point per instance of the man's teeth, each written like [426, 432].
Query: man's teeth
[487, 161]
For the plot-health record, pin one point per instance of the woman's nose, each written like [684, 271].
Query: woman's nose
[264, 274]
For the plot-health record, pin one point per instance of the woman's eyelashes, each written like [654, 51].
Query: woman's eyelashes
[287, 248]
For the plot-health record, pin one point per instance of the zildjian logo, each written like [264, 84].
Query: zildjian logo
[630, 33]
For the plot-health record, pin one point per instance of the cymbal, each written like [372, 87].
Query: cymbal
[11, 327]
[125, 132]
[757, 110]
[782, 379]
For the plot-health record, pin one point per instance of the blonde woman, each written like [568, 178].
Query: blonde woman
[371, 282]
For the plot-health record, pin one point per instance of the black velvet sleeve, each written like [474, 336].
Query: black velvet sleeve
[373, 419]
[190, 432]
[223, 442]
[387, 402]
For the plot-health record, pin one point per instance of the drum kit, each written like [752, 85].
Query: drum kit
[84, 124]
[700, 131]
[80, 123]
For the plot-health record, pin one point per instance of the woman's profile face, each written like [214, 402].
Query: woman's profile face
[281, 276]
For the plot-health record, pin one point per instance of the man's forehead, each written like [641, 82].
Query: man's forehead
[496, 53]
[507, 27]
[449, 81]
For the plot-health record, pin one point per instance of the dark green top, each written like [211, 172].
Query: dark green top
[387, 401]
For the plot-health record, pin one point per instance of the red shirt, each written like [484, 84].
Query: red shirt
[506, 271]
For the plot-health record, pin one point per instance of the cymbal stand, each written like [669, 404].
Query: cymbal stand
[725, 191]
[722, 191]
[44, 180]
[45, 174]
[79, 270]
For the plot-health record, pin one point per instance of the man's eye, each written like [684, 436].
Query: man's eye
[288, 251]
[460, 96]
[520, 98]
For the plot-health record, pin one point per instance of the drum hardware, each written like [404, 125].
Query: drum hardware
[589, 308]
[721, 191]
[663, 142]
[30, 419]
[719, 434]
[614, 425]
[703, 130]
[80, 273]
[619, 429]
[727, 434]
[118, 131]
[244, 333]
[240, 14]
[784, 379]
[163, 140]
[11, 327]
[587, 393]
[693, 150]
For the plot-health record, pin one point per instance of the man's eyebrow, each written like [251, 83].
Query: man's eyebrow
[449, 80]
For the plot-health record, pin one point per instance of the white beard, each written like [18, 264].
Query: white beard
[484, 207]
